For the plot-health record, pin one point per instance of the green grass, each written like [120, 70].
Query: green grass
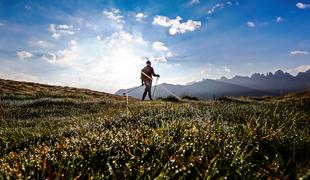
[87, 135]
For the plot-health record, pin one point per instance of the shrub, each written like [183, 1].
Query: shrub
[169, 98]
[189, 97]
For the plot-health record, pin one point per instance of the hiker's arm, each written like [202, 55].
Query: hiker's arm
[153, 73]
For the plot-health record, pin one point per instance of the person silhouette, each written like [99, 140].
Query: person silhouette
[146, 79]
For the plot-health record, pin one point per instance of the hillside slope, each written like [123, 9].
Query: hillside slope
[52, 132]
[20, 90]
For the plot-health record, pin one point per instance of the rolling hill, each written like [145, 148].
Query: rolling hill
[205, 89]
[30, 90]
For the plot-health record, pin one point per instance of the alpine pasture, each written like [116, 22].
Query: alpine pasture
[52, 132]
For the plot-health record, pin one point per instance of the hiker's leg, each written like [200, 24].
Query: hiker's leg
[144, 94]
[148, 86]
[150, 93]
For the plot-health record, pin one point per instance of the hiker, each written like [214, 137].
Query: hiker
[146, 79]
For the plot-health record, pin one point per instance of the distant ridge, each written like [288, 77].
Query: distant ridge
[278, 83]
[271, 84]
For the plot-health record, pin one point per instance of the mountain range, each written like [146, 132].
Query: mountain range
[271, 84]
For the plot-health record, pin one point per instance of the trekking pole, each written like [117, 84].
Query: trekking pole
[131, 90]
[127, 101]
[155, 86]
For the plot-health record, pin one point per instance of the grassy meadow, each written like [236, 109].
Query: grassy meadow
[67, 133]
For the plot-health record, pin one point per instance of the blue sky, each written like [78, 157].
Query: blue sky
[103, 45]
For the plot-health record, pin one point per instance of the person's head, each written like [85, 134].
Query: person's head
[148, 63]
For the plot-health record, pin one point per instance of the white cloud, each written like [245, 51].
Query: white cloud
[302, 5]
[64, 57]
[216, 6]
[175, 26]
[160, 59]
[279, 19]
[23, 54]
[63, 26]
[140, 16]
[162, 21]
[250, 24]
[52, 28]
[298, 69]
[298, 52]
[250, 64]
[161, 53]
[114, 15]
[194, 2]
[123, 37]
[41, 43]
[56, 35]
[58, 30]
[227, 69]
[1, 24]
[6, 73]
[98, 38]
[169, 54]
[159, 46]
